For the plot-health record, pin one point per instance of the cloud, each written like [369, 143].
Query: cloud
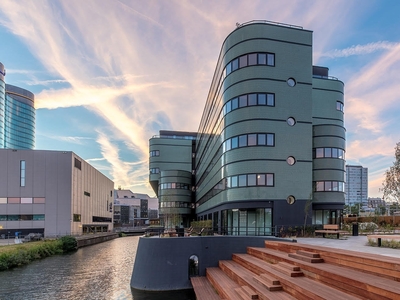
[361, 49]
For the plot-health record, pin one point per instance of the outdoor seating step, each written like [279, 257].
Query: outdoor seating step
[308, 253]
[266, 283]
[285, 270]
[306, 258]
[246, 293]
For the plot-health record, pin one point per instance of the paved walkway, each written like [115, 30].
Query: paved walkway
[353, 243]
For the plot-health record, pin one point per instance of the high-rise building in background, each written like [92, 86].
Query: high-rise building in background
[17, 116]
[270, 147]
[356, 185]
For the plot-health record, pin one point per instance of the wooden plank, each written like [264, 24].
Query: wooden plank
[308, 253]
[223, 284]
[203, 289]
[331, 226]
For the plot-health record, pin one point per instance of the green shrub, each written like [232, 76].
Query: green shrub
[69, 244]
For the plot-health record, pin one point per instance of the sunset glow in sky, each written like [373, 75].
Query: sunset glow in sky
[109, 74]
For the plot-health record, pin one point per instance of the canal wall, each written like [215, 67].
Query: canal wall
[162, 264]
[88, 240]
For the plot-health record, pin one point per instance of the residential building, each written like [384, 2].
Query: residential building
[356, 185]
[55, 193]
[17, 116]
[270, 148]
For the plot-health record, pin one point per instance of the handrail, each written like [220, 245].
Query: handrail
[268, 22]
[325, 77]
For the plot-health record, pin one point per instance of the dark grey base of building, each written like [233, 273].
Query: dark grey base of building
[166, 264]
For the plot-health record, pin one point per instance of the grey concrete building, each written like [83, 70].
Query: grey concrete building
[270, 146]
[52, 192]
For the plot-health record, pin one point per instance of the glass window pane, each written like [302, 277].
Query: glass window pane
[328, 186]
[234, 180]
[319, 187]
[234, 103]
[228, 68]
[262, 59]
[26, 200]
[261, 179]
[252, 139]
[227, 145]
[252, 59]
[335, 186]
[242, 180]
[262, 139]
[243, 101]
[271, 99]
[243, 61]
[319, 152]
[270, 139]
[228, 182]
[234, 142]
[270, 179]
[235, 64]
[262, 99]
[271, 59]
[334, 152]
[328, 152]
[228, 106]
[251, 179]
[14, 200]
[252, 99]
[243, 141]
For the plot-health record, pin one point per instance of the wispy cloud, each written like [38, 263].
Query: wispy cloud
[72, 139]
[361, 49]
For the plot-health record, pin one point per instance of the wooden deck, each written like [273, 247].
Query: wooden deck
[288, 271]
[380, 237]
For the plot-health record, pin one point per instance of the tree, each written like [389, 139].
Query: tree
[391, 184]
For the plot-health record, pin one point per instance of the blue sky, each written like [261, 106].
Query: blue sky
[108, 75]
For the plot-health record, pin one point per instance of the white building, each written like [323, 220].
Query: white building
[54, 193]
[356, 186]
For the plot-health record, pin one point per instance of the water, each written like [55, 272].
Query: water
[102, 271]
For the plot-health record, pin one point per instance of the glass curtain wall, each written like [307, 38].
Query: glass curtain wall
[247, 221]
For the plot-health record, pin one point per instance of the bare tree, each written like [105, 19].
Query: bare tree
[391, 184]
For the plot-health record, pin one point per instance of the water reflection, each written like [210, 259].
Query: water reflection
[102, 271]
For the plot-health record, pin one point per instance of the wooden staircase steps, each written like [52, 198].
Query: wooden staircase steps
[203, 289]
[246, 293]
[270, 284]
[288, 269]
[307, 256]
[223, 284]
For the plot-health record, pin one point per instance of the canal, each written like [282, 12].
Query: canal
[101, 271]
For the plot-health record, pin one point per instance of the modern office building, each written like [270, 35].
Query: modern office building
[17, 116]
[356, 185]
[270, 146]
[55, 193]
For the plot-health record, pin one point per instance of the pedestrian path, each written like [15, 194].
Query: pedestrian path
[352, 243]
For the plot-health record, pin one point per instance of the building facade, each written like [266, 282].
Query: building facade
[356, 185]
[17, 116]
[270, 146]
[55, 193]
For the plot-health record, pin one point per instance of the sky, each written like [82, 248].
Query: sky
[109, 74]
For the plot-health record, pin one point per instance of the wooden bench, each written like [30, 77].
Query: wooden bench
[330, 229]
[379, 237]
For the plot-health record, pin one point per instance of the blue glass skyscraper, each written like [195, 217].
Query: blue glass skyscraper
[17, 116]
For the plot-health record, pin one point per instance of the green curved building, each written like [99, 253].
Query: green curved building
[270, 147]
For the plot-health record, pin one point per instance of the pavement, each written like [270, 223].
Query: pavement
[352, 243]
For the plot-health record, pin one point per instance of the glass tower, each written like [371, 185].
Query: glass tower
[17, 116]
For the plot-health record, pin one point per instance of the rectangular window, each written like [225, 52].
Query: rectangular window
[235, 103]
[252, 59]
[235, 64]
[251, 180]
[252, 99]
[319, 152]
[234, 181]
[252, 139]
[270, 59]
[335, 152]
[271, 99]
[228, 69]
[77, 218]
[22, 172]
[243, 141]
[14, 200]
[262, 99]
[261, 179]
[270, 179]
[3, 200]
[26, 200]
[328, 186]
[234, 142]
[78, 164]
[335, 186]
[319, 186]
[243, 101]
[328, 152]
[228, 107]
[227, 145]
[262, 139]
[242, 180]
[39, 200]
[262, 59]
[270, 139]
[86, 193]
[38, 218]
[243, 61]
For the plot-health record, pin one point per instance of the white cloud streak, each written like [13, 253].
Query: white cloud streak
[361, 49]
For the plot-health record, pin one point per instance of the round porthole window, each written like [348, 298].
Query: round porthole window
[291, 199]
[291, 82]
[291, 121]
[291, 160]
